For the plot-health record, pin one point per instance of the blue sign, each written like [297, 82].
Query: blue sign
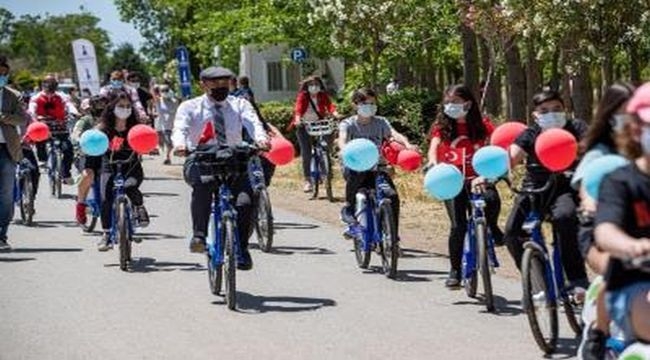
[185, 76]
[298, 55]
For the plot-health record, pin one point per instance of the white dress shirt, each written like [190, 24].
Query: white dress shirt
[193, 115]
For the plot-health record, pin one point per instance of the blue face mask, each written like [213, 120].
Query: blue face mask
[117, 84]
[3, 80]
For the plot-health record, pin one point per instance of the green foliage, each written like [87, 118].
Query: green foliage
[125, 57]
[280, 115]
[411, 112]
[24, 80]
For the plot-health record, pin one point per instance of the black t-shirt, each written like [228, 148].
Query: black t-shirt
[145, 97]
[624, 200]
[536, 173]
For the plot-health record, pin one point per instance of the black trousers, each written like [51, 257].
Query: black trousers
[560, 203]
[459, 210]
[356, 181]
[107, 189]
[67, 150]
[201, 203]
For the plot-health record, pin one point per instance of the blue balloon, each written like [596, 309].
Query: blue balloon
[491, 162]
[93, 142]
[443, 181]
[596, 171]
[360, 155]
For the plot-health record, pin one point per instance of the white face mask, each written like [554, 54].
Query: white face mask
[455, 111]
[552, 120]
[367, 110]
[122, 112]
[645, 140]
[135, 85]
[618, 122]
[313, 89]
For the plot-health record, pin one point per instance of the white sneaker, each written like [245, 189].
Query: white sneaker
[104, 244]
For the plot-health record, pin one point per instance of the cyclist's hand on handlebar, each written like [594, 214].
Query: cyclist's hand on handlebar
[263, 145]
[478, 184]
[637, 248]
[180, 151]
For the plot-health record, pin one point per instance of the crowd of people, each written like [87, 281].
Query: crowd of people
[602, 233]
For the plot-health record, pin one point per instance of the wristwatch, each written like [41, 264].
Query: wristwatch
[586, 218]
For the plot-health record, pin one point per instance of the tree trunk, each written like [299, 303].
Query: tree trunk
[516, 80]
[556, 77]
[533, 74]
[492, 97]
[635, 73]
[470, 59]
[583, 93]
[608, 70]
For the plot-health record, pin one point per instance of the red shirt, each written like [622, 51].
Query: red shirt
[323, 104]
[460, 151]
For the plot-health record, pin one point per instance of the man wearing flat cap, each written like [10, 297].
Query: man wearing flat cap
[11, 117]
[215, 118]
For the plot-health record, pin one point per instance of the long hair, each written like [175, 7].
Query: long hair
[304, 83]
[449, 127]
[600, 131]
[107, 120]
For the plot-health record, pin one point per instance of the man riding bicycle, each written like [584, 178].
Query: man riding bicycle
[53, 107]
[219, 119]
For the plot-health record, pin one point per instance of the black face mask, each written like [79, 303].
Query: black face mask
[50, 86]
[219, 93]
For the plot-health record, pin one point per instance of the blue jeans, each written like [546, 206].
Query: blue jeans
[7, 176]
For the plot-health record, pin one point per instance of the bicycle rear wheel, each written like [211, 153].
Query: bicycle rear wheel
[362, 256]
[91, 215]
[27, 201]
[264, 223]
[326, 163]
[540, 309]
[215, 271]
[230, 264]
[484, 265]
[573, 314]
[123, 238]
[57, 175]
[388, 245]
[470, 283]
[315, 173]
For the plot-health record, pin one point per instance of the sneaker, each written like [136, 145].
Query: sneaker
[105, 243]
[80, 213]
[167, 162]
[347, 215]
[593, 346]
[142, 216]
[197, 244]
[453, 281]
[308, 187]
[246, 261]
[4, 245]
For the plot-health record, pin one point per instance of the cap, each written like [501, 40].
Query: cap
[640, 103]
[215, 72]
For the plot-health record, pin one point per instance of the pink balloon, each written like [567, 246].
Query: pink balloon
[282, 151]
[505, 134]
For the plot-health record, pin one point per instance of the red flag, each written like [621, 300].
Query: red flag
[208, 133]
[116, 143]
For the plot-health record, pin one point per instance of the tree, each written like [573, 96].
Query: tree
[125, 57]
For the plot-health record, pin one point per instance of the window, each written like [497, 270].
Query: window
[274, 76]
[293, 77]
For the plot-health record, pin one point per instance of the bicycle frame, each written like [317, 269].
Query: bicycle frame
[371, 233]
[119, 195]
[222, 208]
[95, 203]
[318, 131]
[256, 175]
[53, 152]
[477, 216]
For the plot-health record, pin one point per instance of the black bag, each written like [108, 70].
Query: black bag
[208, 161]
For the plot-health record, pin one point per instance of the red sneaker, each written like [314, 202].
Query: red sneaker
[80, 213]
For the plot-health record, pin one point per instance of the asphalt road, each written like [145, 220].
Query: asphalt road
[62, 299]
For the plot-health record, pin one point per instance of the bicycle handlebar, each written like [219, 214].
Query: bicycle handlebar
[532, 191]
[642, 262]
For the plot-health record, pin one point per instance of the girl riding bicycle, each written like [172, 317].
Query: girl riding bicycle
[366, 125]
[116, 121]
[457, 134]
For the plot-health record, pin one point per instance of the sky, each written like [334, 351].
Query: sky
[118, 31]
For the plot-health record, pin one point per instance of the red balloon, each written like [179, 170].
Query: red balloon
[505, 134]
[556, 149]
[409, 160]
[282, 151]
[142, 139]
[37, 132]
[390, 150]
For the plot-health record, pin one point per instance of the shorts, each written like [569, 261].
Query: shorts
[619, 305]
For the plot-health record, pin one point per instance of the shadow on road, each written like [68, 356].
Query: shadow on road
[16, 259]
[411, 275]
[414, 253]
[39, 250]
[291, 250]
[162, 178]
[156, 236]
[147, 264]
[504, 307]
[256, 304]
[53, 224]
[293, 226]
[159, 194]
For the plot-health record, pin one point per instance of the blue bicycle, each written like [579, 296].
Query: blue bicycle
[24, 191]
[226, 165]
[321, 159]
[55, 159]
[263, 212]
[478, 252]
[543, 281]
[93, 206]
[376, 226]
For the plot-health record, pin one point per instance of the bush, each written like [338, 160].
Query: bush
[280, 115]
[411, 112]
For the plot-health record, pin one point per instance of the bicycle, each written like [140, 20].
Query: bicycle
[321, 159]
[55, 159]
[543, 277]
[123, 222]
[375, 227]
[24, 191]
[93, 206]
[479, 245]
[264, 213]
[225, 165]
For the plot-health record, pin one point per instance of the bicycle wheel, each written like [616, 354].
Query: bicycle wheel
[315, 173]
[362, 256]
[572, 313]
[388, 245]
[92, 215]
[123, 234]
[57, 175]
[27, 201]
[51, 162]
[326, 166]
[484, 265]
[540, 309]
[215, 271]
[264, 223]
[230, 263]
[471, 283]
